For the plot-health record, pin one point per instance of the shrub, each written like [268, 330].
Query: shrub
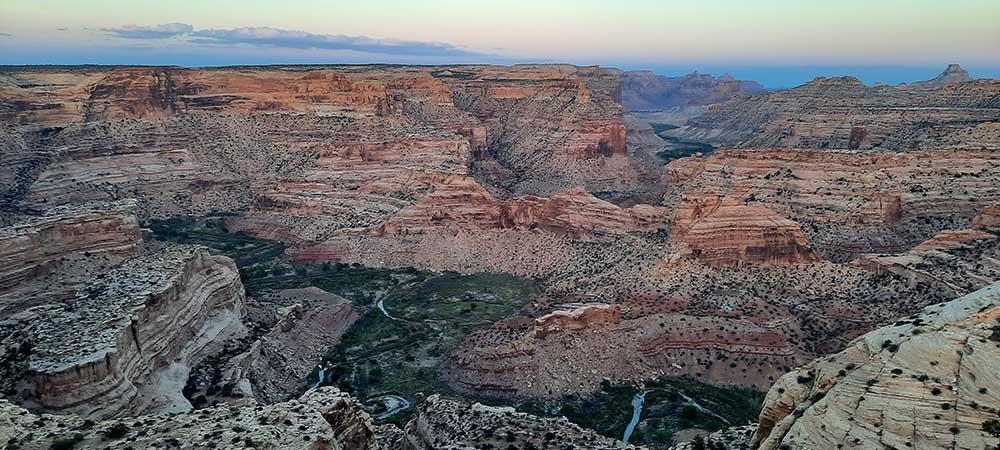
[116, 431]
[66, 443]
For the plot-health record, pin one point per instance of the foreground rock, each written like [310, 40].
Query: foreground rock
[274, 367]
[321, 419]
[732, 438]
[928, 381]
[442, 423]
[126, 343]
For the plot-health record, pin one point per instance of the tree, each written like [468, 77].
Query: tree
[992, 427]
[698, 443]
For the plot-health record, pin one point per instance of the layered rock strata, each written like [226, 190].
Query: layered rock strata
[125, 343]
[846, 203]
[928, 381]
[276, 364]
[732, 235]
[56, 243]
[577, 317]
[461, 202]
[560, 354]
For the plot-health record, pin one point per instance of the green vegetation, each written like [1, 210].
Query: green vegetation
[116, 431]
[669, 407]
[992, 427]
[431, 314]
[211, 232]
[678, 148]
[66, 442]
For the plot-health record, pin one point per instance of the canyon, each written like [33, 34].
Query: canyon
[178, 242]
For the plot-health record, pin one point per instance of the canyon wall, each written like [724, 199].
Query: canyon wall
[310, 152]
[57, 242]
[125, 343]
[846, 203]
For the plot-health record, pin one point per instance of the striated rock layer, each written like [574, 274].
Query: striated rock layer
[37, 246]
[928, 381]
[572, 351]
[125, 343]
[732, 235]
[846, 203]
[307, 153]
[460, 201]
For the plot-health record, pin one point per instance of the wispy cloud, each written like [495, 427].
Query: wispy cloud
[279, 38]
[275, 37]
[164, 31]
[6, 34]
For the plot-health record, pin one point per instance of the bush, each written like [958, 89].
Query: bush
[66, 443]
[992, 427]
[116, 431]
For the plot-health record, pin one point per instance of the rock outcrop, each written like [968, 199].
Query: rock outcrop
[954, 73]
[959, 261]
[988, 219]
[926, 382]
[843, 113]
[449, 424]
[577, 317]
[125, 343]
[732, 235]
[732, 438]
[320, 419]
[571, 352]
[275, 365]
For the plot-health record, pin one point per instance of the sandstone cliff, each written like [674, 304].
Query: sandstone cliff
[846, 203]
[64, 243]
[124, 344]
[732, 235]
[309, 153]
[461, 202]
[926, 382]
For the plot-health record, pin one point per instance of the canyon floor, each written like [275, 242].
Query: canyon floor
[532, 256]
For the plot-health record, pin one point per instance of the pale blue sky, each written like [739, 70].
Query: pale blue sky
[780, 42]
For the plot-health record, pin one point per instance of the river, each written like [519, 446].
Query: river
[637, 401]
[319, 378]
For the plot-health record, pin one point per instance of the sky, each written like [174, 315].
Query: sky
[778, 42]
